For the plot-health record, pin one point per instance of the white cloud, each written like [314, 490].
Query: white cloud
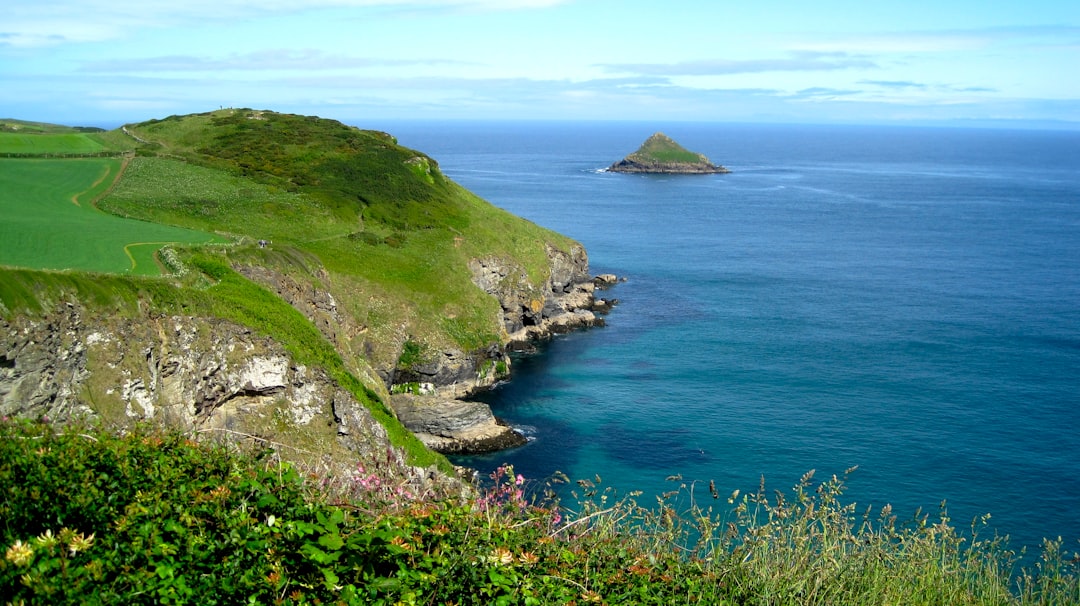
[795, 62]
[306, 60]
[30, 24]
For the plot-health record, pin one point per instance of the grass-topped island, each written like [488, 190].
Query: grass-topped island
[662, 155]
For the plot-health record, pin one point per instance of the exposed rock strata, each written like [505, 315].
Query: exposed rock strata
[209, 376]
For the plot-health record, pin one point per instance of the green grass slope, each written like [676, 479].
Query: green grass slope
[661, 148]
[379, 217]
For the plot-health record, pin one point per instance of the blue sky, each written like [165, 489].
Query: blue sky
[108, 62]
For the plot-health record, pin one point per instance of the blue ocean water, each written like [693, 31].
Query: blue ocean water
[904, 300]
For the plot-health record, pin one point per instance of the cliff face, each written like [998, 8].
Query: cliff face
[219, 378]
[629, 165]
[564, 303]
[438, 415]
[208, 376]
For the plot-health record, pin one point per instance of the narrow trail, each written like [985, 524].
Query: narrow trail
[116, 179]
[131, 257]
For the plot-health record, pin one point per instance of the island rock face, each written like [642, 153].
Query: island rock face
[660, 154]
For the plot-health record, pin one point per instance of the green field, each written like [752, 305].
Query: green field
[49, 221]
[69, 143]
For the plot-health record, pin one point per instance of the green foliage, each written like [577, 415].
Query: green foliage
[151, 517]
[41, 144]
[167, 190]
[412, 354]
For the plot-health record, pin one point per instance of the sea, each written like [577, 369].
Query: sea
[900, 300]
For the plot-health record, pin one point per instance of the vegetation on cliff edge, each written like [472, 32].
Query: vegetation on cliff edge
[151, 517]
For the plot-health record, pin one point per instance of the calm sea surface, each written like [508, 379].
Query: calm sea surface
[906, 300]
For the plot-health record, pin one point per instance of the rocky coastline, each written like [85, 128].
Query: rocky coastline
[213, 376]
[440, 412]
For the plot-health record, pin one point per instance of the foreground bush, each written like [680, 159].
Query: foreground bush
[150, 517]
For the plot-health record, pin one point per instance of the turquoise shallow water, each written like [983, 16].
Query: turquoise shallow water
[906, 300]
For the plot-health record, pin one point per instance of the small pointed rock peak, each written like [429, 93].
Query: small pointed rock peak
[661, 154]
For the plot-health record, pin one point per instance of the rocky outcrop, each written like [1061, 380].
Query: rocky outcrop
[453, 426]
[445, 421]
[662, 155]
[564, 303]
[204, 375]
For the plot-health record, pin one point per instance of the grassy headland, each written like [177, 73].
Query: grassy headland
[303, 201]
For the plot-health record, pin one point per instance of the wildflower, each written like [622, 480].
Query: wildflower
[270, 520]
[501, 556]
[46, 539]
[519, 480]
[19, 554]
[528, 557]
[80, 542]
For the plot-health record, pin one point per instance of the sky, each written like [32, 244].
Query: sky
[98, 62]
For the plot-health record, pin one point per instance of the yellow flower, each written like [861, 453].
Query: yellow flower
[19, 554]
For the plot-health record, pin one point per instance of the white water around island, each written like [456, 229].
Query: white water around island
[904, 300]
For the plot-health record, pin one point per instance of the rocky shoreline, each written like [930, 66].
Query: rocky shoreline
[441, 414]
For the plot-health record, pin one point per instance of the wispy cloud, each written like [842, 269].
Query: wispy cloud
[269, 60]
[948, 40]
[802, 61]
[821, 93]
[895, 84]
[50, 22]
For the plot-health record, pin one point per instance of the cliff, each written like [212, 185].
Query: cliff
[362, 294]
[661, 154]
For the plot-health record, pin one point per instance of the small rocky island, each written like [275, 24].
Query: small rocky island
[661, 154]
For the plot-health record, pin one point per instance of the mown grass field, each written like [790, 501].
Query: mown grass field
[67, 143]
[49, 221]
